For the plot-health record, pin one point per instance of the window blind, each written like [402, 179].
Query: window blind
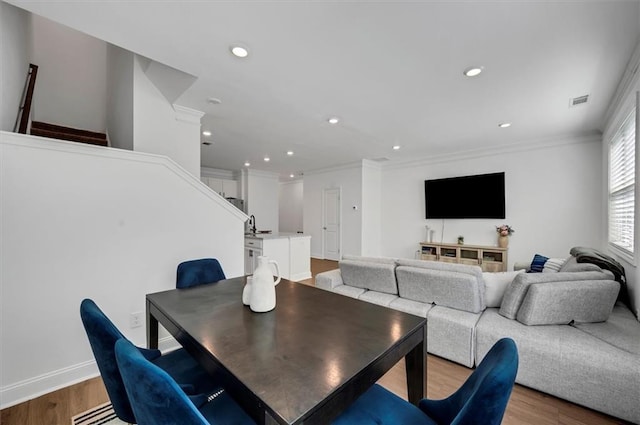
[622, 165]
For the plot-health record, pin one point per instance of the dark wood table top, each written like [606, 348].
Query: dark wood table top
[314, 347]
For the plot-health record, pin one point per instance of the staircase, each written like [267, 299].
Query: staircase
[67, 133]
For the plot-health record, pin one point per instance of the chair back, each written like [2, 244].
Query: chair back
[198, 272]
[103, 335]
[483, 397]
[155, 397]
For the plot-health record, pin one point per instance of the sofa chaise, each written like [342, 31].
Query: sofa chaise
[574, 340]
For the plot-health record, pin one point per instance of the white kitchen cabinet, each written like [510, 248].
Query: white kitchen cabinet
[299, 258]
[226, 188]
[291, 252]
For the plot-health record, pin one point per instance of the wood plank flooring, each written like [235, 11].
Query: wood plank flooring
[526, 406]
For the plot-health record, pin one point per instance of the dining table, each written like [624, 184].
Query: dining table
[303, 362]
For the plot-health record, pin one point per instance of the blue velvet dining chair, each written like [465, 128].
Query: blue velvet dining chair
[481, 400]
[198, 272]
[103, 335]
[157, 399]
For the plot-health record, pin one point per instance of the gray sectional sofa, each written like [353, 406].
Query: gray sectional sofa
[575, 342]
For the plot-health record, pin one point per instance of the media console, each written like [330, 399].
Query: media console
[489, 258]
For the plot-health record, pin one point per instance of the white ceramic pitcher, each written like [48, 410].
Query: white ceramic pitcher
[263, 291]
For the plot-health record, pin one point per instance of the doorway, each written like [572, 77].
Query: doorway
[331, 238]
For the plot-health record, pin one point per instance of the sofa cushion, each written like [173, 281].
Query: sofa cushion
[412, 307]
[516, 292]
[552, 265]
[379, 260]
[452, 334]
[537, 264]
[379, 298]
[369, 275]
[495, 285]
[565, 362]
[621, 330]
[446, 288]
[349, 291]
[439, 265]
[556, 303]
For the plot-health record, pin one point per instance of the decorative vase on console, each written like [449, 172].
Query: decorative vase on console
[504, 232]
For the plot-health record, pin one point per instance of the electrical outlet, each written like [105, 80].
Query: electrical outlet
[135, 319]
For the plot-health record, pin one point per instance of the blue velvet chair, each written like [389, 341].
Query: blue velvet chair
[481, 400]
[198, 272]
[157, 399]
[103, 335]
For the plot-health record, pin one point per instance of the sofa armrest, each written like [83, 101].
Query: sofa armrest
[557, 303]
[329, 279]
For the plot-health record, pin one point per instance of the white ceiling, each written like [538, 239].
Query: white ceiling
[392, 71]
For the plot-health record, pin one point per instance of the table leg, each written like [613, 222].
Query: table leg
[415, 363]
[152, 329]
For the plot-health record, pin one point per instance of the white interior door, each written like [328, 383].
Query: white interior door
[331, 224]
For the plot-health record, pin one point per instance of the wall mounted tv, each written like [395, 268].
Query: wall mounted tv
[479, 196]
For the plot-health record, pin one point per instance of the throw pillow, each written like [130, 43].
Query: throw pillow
[553, 265]
[537, 264]
[496, 285]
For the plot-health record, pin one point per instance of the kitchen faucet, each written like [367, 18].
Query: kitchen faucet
[252, 223]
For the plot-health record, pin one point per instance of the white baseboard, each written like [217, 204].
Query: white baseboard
[37, 386]
[31, 388]
[300, 276]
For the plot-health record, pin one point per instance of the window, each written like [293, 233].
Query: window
[622, 165]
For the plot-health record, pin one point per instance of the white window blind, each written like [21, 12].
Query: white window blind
[622, 166]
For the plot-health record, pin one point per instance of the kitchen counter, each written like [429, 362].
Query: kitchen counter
[276, 235]
[292, 252]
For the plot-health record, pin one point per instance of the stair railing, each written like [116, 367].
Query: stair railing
[27, 96]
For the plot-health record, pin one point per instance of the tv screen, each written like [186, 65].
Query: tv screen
[480, 196]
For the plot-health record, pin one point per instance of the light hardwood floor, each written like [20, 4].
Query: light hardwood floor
[526, 406]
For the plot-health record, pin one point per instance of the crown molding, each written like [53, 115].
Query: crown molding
[531, 145]
[188, 115]
[625, 87]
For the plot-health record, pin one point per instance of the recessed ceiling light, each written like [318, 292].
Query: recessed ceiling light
[504, 124]
[291, 175]
[289, 153]
[396, 147]
[267, 159]
[247, 164]
[206, 133]
[333, 120]
[214, 101]
[239, 51]
[473, 71]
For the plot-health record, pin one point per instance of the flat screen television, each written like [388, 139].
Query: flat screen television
[479, 196]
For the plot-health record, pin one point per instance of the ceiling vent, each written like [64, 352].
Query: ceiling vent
[581, 100]
[206, 143]
[380, 159]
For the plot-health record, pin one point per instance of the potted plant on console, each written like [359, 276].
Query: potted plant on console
[504, 231]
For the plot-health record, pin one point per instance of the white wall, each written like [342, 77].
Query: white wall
[15, 45]
[291, 202]
[349, 180]
[120, 97]
[162, 128]
[553, 200]
[371, 208]
[71, 87]
[260, 192]
[82, 221]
